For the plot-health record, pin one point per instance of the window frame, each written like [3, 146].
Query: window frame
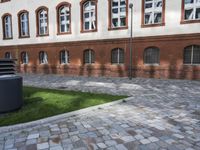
[22, 59]
[144, 58]
[20, 24]
[58, 7]
[118, 56]
[82, 18]
[66, 58]
[41, 60]
[4, 29]
[10, 54]
[38, 10]
[143, 25]
[91, 61]
[183, 21]
[192, 54]
[110, 16]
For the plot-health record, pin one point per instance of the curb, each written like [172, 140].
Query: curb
[35, 124]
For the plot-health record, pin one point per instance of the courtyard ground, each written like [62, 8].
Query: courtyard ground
[158, 115]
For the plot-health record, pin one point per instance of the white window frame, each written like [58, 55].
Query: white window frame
[118, 56]
[92, 18]
[26, 58]
[194, 6]
[66, 16]
[119, 15]
[90, 56]
[153, 11]
[10, 55]
[192, 57]
[43, 22]
[66, 54]
[24, 24]
[43, 57]
[7, 27]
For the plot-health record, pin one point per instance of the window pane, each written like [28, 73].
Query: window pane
[123, 22]
[196, 55]
[187, 55]
[188, 14]
[151, 56]
[115, 3]
[147, 19]
[157, 18]
[87, 25]
[197, 13]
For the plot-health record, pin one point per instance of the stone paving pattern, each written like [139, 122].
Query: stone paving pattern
[161, 115]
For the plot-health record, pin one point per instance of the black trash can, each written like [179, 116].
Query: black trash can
[10, 86]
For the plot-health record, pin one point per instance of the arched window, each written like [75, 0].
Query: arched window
[64, 18]
[64, 57]
[118, 12]
[89, 15]
[89, 56]
[7, 26]
[152, 55]
[8, 55]
[23, 18]
[43, 57]
[117, 56]
[192, 54]
[42, 21]
[24, 58]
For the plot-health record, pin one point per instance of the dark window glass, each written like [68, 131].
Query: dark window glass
[151, 55]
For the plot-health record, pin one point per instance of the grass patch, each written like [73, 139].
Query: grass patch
[41, 103]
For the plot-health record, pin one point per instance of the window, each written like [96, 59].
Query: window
[23, 20]
[24, 58]
[151, 55]
[153, 12]
[43, 57]
[42, 21]
[192, 54]
[64, 18]
[7, 26]
[191, 10]
[117, 56]
[89, 15]
[64, 57]
[89, 57]
[8, 55]
[118, 12]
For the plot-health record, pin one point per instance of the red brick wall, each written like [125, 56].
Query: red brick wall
[171, 57]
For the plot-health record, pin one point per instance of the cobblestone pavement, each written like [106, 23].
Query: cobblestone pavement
[161, 115]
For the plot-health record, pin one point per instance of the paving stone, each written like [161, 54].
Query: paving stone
[101, 145]
[121, 147]
[33, 136]
[153, 139]
[145, 141]
[43, 146]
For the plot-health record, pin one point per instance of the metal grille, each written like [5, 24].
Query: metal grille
[117, 56]
[151, 55]
[192, 55]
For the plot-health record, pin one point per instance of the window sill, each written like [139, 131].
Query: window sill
[189, 21]
[191, 64]
[153, 65]
[42, 35]
[24, 37]
[118, 28]
[117, 64]
[64, 33]
[152, 25]
[7, 38]
[88, 31]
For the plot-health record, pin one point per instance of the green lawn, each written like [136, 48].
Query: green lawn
[40, 103]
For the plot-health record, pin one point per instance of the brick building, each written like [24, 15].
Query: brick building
[92, 37]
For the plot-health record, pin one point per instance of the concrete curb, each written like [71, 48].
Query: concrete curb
[35, 124]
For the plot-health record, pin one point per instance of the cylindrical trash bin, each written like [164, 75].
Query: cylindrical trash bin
[10, 93]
